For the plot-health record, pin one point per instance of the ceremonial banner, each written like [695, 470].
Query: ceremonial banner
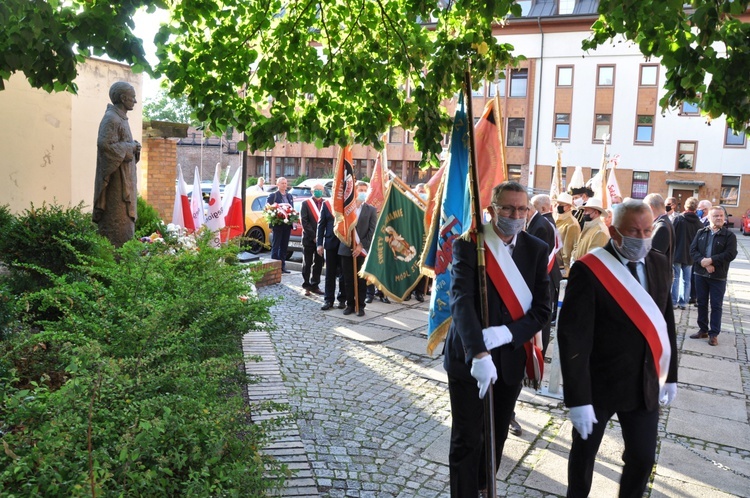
[613, 189]
[181, 215]
[490, 159]
[215, 216]
[376, 194]
[344, 207]
[196, 202]
[454, 218]
[234, 220]
[393, 261]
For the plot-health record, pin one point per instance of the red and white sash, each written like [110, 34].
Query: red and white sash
[558, 245]
[315, 209]
[635, 302]
[516, 296]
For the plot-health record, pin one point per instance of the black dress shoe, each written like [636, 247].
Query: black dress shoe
[361, 312]
[419, 297]
[326, 306]
[515, 428]
[693, 301]
[342, 305]
[285, 271]
[384, 299]
[368, 299]
[348, 311]
[701, 334]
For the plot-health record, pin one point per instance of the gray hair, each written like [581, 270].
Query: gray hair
[540, 201]
[656, 201]
[630, 206]
[117, 89]
[510, 186]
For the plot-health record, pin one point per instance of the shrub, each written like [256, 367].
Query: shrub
[136, 386]
[44, 242]
[299, 179]
[148, 220]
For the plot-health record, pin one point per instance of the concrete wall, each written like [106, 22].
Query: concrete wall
[48, 141]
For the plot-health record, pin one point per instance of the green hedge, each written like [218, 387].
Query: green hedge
[124, 375]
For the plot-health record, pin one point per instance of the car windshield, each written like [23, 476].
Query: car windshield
[298, 191]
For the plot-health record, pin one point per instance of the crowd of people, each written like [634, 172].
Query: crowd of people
[627, 267]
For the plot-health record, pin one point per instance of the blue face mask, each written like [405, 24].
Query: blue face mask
[699, 213]
[362, 196]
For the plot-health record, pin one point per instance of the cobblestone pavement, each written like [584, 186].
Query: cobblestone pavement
[373, 417]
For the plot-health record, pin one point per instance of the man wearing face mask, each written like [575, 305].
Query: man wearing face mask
[367, 218]
[581, 197]
[518, 307]
[311, 259]
[618, 349]
[569, 230]
[704, 206]
[670, 206]
[595, 233]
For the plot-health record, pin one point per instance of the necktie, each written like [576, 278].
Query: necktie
[633, 267]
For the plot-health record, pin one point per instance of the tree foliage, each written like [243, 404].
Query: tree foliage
[164, 107]
[334, 71]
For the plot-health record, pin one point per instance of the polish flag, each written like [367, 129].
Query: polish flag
[181, 215]
[232, 205]
[196, 203]
[215, 216]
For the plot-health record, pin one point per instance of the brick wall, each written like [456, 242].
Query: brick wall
[159, 169]
[272, 275]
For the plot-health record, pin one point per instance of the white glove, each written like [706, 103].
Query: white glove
[583, 419]
[667, 393]
[483, 369]
[497, 336]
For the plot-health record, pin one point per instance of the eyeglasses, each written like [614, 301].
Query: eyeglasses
[511, 210]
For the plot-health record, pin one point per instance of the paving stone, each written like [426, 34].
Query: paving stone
[365, 333]
[703, 403]
[709, 428]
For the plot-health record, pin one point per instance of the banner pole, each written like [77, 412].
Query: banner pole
[489, 404]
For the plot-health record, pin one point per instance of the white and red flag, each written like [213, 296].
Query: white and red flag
[234, 221]
[181, 215]
[196, 202]
[215, 215]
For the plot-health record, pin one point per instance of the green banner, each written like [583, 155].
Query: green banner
[392, 263]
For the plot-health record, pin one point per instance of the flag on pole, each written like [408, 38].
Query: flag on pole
[344, 207]
[491, 165]
[215, 216]
[393, 261]
[376, 194]
[432, 187]
[196, 202]
[234, 221]
[453, 220]
[181, 215]
[556, 187]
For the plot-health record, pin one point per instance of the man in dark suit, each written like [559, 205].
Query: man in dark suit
[662, 237]
[281, 233]
[617, 303]
[476, 357]
[312, 261]
[367, 219]
[328, 244]
[541, 228]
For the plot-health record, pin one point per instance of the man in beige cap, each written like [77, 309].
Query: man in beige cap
[595, 233]
[569, 229]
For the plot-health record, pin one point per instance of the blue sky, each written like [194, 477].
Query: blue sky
[146, 26]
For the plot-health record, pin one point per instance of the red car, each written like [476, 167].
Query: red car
[745, 223]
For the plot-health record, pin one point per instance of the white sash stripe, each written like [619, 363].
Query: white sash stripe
[508, 267]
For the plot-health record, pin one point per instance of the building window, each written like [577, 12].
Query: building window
[686, 155]
[689, 109]
[730, 190]
[396, 136]
[603, 126]
[644, 130]
[360, 168]
[287, 167]
[564, 75]
[640, 185]
[479, 92]
[409, 136]
[566, 7]
[562, 126]
[518, 82]
[605, 76]
[649, 74]
[515, 132]
[514, 172]
[733, 138]
[497, 87]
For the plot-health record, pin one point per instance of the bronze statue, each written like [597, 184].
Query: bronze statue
[115, 189]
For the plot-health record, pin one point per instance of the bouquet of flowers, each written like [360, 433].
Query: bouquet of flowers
[280, 214]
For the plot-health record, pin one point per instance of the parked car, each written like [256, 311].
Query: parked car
[745, 223]
[311, 182]
[300, 191]
[257, 230]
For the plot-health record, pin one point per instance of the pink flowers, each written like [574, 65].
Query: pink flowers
[280, 214]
